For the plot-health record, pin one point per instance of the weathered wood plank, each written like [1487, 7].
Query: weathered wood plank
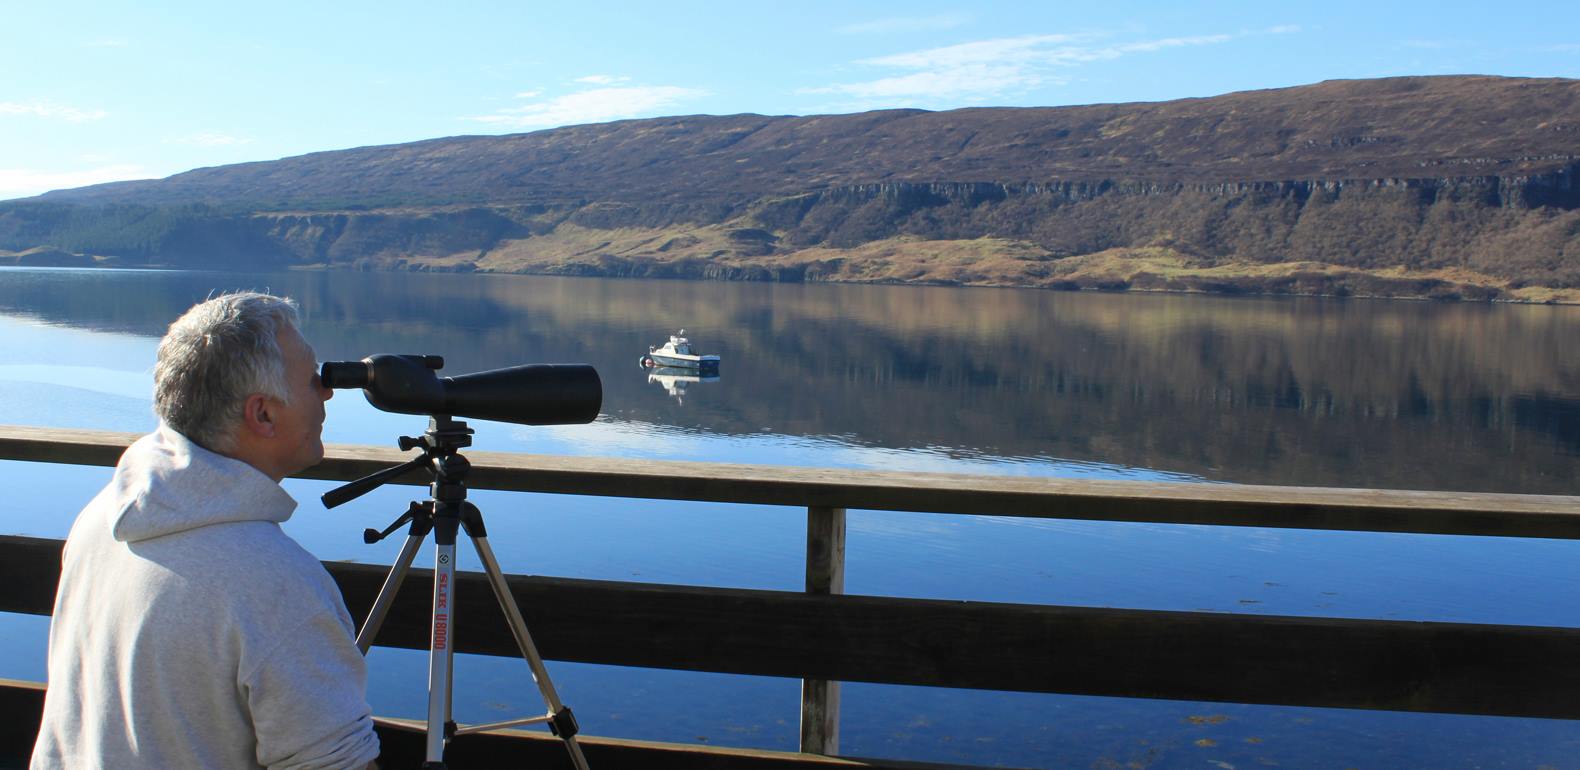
[825, 576]
[1390, 665]
[825, 551]
[402, 749]
[1366, 510]
[63, 445]
[29, 570]
[22, 703]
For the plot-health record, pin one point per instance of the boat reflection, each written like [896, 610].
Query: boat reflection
[674, 380]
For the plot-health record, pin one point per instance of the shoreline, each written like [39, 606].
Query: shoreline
[984, 263]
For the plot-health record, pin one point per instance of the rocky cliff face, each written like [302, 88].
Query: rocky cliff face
[1467, 174]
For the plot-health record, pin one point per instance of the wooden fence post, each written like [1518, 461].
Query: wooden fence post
[825, 574]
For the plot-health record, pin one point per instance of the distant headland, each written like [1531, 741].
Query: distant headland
[1431, 187]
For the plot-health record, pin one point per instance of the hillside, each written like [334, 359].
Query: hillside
[1442, 186]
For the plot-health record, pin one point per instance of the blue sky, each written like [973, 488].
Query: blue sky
[93, 92]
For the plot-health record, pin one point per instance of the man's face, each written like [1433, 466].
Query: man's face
[299, 425]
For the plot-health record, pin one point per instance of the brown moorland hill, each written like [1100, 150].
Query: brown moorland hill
[1461, 186]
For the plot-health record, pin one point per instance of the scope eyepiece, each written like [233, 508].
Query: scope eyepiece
[344, 374]
[357, 374]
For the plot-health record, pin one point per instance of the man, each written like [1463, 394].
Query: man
[189, 631]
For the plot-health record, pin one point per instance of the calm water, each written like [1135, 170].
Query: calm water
[1280, 391]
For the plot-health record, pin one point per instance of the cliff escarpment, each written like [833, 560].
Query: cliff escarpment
[1455, 186]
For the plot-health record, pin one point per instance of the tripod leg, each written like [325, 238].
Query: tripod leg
[561, 721]
[386, 596]
[440, 653]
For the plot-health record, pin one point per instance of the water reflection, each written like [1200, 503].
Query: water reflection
[1289, 391]
[674, 380]
[1350, 393]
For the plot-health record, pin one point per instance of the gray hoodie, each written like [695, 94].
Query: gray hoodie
[190, 632]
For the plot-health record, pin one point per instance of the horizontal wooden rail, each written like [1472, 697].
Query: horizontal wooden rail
[1365, 664]
[1364, 510]
[402, 748]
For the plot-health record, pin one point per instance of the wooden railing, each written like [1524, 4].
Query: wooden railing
[823, 636]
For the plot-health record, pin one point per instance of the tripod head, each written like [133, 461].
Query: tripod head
[444, 436]
[440, 446]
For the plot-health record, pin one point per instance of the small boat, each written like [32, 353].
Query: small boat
[677, 353]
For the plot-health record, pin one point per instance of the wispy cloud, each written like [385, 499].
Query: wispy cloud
[899, 24]
[1004, 50]
[21, 182]
[51, 111]
[967, 82]
[982, 70]
[212, 140]
[594, 105]
[601, 80]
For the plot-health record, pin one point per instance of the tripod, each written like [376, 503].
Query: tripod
[445, 513]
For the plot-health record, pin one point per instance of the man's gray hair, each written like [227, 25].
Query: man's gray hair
[216, 355]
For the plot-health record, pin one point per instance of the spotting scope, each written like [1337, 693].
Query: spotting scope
[531, 394]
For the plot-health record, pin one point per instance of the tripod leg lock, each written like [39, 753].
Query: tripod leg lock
[563, 723]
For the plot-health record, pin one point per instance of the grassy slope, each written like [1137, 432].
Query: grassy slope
[713, 252]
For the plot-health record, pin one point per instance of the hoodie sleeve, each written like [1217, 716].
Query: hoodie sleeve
[308, 699]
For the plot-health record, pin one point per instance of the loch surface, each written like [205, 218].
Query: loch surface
[1295, 391]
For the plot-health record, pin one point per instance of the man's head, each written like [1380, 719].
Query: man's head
[236, 377]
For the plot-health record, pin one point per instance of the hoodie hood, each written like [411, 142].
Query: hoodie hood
[166, 484]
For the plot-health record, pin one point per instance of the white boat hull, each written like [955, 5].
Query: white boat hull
[684, 362]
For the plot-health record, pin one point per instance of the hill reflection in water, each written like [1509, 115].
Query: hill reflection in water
[1258, 390]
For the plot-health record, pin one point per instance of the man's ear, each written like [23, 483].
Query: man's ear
[257, 417]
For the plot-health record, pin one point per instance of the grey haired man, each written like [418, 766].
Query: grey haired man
[189, 630]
